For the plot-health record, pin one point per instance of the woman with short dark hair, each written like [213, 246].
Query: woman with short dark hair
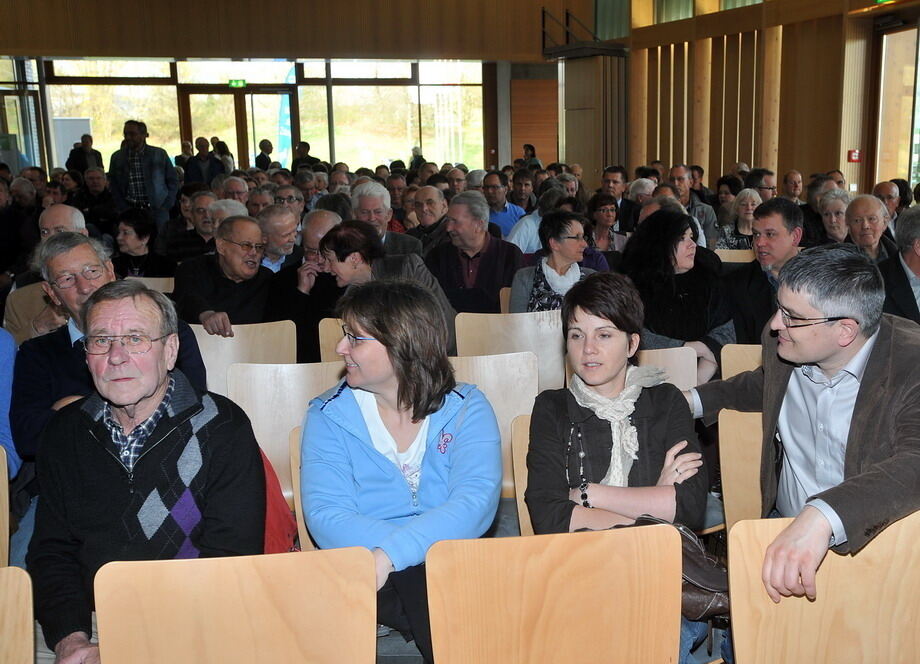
[618, 442]
[398, 456]
[684, 301]
[541, 287]
[135, 230]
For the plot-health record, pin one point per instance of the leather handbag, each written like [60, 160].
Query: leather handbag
[704, 591]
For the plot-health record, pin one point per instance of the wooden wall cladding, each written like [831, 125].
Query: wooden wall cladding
[404, 29]
[535, 117]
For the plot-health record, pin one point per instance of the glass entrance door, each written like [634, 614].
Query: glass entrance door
[214, 114]
[268, 116]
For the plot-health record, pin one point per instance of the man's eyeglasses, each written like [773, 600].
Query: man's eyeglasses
[788, 318]
[353, 339]
[135, 344]
[249, 246]
[281, 200]
[773, 189]
[90, 273]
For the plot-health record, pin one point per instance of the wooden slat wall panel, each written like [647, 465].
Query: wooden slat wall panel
[717, 108]
[653, 147]
[747, 97]
[679, 105]
[535, 116]
[615, 103]
[855, 125]
[699, 109]
[637, 107]
[730, 119]
[666, 105]
[476, 29]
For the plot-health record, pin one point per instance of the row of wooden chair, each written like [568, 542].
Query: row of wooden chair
[609, 595]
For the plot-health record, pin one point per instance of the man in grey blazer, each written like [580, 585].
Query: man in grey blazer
[370, 202]
[840, 396]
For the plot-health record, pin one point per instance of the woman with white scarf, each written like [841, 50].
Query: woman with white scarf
[541, 287]
[618, 442]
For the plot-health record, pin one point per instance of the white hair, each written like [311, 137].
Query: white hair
[232, 207]
[369, 190]
[641, 186]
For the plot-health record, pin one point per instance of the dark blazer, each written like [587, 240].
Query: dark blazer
[202, 286]
[882, 463]
[899, 297]
[752, 301]
[499, 263]
[263, 161]
[193, 172]
[627, 214]
[400, 243]
[661, 420]
[77, 161]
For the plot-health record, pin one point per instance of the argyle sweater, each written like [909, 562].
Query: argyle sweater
[197, 490]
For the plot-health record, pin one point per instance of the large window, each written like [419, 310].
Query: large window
[101, 110]
[380, 109]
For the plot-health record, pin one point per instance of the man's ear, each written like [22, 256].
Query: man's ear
[49, 291]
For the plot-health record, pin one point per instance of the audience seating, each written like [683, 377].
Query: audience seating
[162, 284]
[330, 334]
[611, 595]
[735, 255]
[740, 449]
[17, 631]
[22, 306]
[510, 384]
[520, 443]
[4, 510]
[306, 544]
[679, 363]
[866, 608]
[318, 606]
[539, 332]
[259, 342]
[738, 358]
[504, 300]
[275, 397]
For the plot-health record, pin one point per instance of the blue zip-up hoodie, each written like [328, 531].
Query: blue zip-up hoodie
[355, 496]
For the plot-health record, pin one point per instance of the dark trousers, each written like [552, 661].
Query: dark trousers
[402, 604]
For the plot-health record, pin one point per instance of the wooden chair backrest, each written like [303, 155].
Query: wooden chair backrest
[162, 284]
[275, 397]
[539, 332]
[866, 608]
[22, 306]
[504, 300]
[17, 629]
[509, 382]
[262, 343]
[738, 358]
[524, 599]
[735, 255]
[318, 606]
[306, 544]
[740, 451]
[330, 333]
[4, 510]
[679, 363]
[520, 442]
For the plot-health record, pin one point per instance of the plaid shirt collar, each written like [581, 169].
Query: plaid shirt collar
[130, 446]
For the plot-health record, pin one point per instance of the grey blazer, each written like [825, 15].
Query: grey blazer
[400, 243]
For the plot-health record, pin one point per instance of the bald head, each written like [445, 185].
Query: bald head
[61, 218]
[315, 226]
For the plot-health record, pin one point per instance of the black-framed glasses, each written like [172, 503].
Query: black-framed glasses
[773, 189]
[135, 344]
[354, 339]
[787, 319]
[249, 246]
[281, 200]
[90, 273]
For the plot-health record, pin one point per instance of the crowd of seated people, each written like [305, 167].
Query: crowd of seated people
[396, 253]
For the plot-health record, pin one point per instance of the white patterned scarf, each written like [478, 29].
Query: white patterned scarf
[617, 412]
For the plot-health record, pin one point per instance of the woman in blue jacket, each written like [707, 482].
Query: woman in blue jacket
[398, 455]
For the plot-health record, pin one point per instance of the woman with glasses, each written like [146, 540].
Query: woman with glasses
[618, 442]
[680, 288]
[739, 233]
[604, 216]
[398, 455]
[354, 254]
[541, 287]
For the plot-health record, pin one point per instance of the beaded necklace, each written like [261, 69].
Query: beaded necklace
[582, 480]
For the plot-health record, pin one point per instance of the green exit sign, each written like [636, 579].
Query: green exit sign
[237, 83]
